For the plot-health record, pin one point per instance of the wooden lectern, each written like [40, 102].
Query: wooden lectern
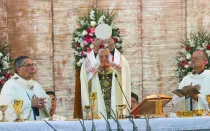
[152, 105]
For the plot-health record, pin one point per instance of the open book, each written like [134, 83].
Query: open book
[186, 91]
[151, 105]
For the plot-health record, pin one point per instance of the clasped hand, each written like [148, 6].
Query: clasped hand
[38, 102]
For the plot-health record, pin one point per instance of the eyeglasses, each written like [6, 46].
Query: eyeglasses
[53, 99]
[29, 65]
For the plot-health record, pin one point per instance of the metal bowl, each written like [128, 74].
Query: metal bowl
[199, 112]
[184, 113]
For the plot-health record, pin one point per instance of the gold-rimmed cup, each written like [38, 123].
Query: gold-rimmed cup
[3, 108]
[87, 111]
[120, 109]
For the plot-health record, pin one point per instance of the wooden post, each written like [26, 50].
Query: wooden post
[77, 100]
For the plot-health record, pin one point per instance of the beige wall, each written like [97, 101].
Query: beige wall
[151, 30]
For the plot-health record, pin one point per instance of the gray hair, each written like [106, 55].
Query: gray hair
[19, 62]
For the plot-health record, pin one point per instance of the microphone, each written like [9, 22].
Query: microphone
[122, 91]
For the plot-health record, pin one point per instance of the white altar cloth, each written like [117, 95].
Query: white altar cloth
[157, 124]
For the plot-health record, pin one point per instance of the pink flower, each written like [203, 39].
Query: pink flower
[189, 63]
[92, 40]
[187, 48]
[89, 49]
[85, 42]
[183, 63]
[7, 76]
[208, 47]
[92, 30]
[82, 53]
[3, 82]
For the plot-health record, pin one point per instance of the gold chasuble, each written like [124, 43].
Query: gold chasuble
[105, 78]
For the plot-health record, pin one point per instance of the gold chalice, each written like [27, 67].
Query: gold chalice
[87, 111]
[17, 106]
[199, 112]
[3, 108]
[120, 109]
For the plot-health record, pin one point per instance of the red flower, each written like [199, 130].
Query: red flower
[208, 47]
[78, 45]
[87, 38]
[88, 30]
[115, 39]
[187, 48]
[7, 76]
[183, 63]
[102, 46]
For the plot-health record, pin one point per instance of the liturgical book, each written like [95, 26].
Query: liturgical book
[151, 105]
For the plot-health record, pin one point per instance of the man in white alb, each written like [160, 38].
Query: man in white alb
[21, 86]
[199, 78]
[99, 73]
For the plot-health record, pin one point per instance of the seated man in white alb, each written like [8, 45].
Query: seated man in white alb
[22, 86]
[199, 78]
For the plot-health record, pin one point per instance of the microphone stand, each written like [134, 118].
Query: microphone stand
[122, 91]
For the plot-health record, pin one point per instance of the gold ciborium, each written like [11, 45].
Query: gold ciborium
[87, 111]
[3, 108]
[17, 106]
[120, 109]
[93, 97]
[199, 112]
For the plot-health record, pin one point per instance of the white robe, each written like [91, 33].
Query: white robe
[203, 80]
[91, 78]
[21, 89]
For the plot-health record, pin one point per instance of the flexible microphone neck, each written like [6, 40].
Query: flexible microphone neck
[122, 91]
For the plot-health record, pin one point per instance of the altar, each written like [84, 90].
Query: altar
[156, 124]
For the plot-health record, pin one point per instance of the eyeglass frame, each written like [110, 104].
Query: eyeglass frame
[29, 65]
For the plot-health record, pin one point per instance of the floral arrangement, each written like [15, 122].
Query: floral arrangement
[5, 62]
[84, 36]
[197, 41]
